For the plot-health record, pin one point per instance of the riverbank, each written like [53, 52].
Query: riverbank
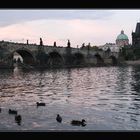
[135, 62]
[124, 63]
[60, 67]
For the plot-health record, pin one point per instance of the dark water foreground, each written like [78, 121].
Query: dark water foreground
[108, 98]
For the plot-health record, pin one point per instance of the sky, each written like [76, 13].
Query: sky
[96, 26]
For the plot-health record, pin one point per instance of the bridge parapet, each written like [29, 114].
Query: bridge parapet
[30, 52]
[11, 47]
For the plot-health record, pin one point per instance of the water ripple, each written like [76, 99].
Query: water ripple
[107, 97]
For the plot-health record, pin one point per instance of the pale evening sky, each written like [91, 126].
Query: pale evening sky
[79, 25]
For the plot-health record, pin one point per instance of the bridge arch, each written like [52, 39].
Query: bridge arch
[27, 56]
[114, 60]
[78, 58]
[99, 59]
[55, 59]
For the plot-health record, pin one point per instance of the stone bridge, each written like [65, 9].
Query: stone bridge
[34, 54]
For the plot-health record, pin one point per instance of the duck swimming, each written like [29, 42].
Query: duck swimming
[78, 123]
[18, 119]
[40, 104]
[12, 112]
[59, 118]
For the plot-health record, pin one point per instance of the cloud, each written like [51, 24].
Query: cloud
[78, 31]
[9, 17]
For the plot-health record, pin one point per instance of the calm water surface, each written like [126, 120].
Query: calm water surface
[108, 98]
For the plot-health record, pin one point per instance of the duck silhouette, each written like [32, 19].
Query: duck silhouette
[12, 112]
[40, 104]
[59, 118]
[78, 123]
[18, 119]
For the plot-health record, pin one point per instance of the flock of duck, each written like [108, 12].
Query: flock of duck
[73, 122]
[18, 117]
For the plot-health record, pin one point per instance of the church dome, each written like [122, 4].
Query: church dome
[122, 36]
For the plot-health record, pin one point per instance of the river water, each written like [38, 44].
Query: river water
[108, 98]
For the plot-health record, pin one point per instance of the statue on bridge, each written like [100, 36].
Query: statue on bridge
[68, 44]
[88, 46]
[41, 42]
[83, 46]
[54, 44]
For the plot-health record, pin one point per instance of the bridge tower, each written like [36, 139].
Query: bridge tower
[136, 36]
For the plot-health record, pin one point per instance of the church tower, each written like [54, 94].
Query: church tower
[136, 35]
[122, 39]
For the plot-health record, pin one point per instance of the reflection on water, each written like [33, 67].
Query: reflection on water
[108, 98]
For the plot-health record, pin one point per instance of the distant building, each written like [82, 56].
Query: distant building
[136, 35]
[122, 39]
[112, 46]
